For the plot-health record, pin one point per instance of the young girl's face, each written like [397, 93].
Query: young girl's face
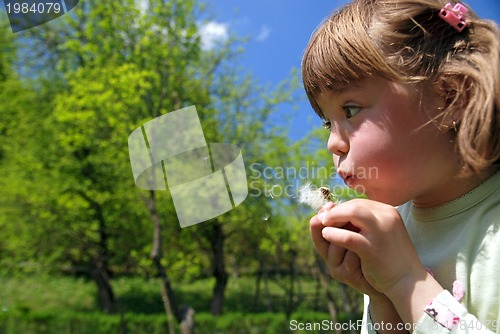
[384, 144]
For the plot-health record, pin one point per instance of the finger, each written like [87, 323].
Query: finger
[349, 269]
[321, 245]
[352, 268]
[344, 238]
[328, 206]
[336, 255]
[352, 262]
[316, 226]
[349, 214]
[322, 212]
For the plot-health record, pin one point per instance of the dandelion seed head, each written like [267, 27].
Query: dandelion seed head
[310, 195]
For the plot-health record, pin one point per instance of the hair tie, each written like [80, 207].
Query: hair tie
[455, 16]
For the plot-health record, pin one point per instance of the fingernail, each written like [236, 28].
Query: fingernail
[321, 216]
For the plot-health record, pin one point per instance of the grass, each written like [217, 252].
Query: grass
[45, 293]
[140, 296]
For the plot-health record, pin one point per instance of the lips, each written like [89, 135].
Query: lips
[348, 178]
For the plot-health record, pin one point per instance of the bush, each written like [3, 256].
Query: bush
[14, 322]
[50, 323]
[253, 323]
[46, 305]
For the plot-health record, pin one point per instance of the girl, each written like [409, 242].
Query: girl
[410, 89]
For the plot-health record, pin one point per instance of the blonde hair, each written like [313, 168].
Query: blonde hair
[406, 41]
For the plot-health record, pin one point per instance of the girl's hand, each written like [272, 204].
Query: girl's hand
[366, 245]
[343, 264]
[379, 239]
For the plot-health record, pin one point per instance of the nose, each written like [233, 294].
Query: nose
[338, 142]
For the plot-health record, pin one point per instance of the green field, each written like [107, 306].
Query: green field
[45, 304]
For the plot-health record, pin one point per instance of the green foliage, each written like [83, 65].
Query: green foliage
[51, 323]
[48, 304]
[80, 86]
[53, 294]
[44, 293]
[96, 323]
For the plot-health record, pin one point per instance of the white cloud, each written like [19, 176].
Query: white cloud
[212, 33]
[263, 33]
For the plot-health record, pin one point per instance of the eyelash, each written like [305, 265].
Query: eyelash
[348, 113]
[347, 110]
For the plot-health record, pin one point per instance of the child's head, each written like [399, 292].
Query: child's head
[406, 41]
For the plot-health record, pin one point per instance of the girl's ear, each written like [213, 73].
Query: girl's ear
[453, 95]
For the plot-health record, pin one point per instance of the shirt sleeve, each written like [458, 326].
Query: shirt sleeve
[367, 325]
[446, 315]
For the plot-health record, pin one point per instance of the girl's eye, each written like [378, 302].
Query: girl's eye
[351, 111]
[327, 125]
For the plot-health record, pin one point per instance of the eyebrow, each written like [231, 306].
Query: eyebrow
[346, 88]
[340, 89]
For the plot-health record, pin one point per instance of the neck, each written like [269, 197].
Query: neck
[454, 188]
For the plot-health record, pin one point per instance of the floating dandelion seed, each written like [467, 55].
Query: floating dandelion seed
[315, 197]
[266, 219]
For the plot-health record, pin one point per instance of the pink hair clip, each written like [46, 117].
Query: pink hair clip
[455, 16]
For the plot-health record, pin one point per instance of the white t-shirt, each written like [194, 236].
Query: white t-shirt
[459, 242]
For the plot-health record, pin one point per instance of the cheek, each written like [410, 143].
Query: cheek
[371, 147]
[382, 154]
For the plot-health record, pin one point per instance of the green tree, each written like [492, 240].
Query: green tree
[115, 67]
[89, 123]
[99, 73]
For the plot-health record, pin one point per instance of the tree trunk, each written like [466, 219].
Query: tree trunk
[167, 295]
[172, 310]
[99, 268]
[187, 323]
[219, 269]
[269, 299]
[100, 275]
[256, 297]
[185, 317]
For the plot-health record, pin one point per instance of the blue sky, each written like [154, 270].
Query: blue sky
[279, 31]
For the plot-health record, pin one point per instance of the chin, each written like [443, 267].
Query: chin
[385, 198]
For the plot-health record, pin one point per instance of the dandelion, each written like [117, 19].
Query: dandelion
[315, 197]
